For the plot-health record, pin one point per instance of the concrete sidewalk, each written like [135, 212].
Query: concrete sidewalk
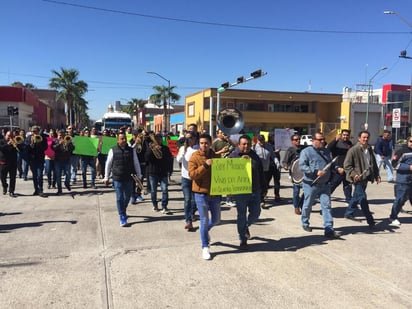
[70, 252]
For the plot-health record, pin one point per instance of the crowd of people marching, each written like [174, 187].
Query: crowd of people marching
[139, 163]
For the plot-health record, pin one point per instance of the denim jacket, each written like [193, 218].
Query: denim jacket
[311, 160]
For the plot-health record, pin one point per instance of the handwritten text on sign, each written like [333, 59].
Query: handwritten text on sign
[231, 176]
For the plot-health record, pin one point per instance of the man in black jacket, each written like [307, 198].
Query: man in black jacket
[250, 201]
[158, 159]
[8, 163]
[339, 148]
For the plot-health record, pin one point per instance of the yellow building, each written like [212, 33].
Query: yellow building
[266, 110]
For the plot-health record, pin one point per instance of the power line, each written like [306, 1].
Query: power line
[221, 24]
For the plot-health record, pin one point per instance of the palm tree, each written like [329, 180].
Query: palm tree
[163, 95]
[133, 106]
[26, 85]
[70, 89]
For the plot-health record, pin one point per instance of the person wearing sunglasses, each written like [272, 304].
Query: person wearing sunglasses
[402, 163]
[316, 164]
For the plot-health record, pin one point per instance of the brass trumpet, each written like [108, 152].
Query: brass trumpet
[155, 147]
[17, 141]
[36, 138]
[137, 181]
[67, 139]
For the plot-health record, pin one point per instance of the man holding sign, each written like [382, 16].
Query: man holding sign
[249, 201]
[199, 168]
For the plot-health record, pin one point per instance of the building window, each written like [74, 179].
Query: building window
[191, 110]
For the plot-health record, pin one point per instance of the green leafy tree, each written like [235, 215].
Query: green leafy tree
[162, 95]
[71, 90]
[26, 85]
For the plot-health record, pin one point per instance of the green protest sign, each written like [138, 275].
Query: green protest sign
[231, 176]
[86, 146]
[108, 143]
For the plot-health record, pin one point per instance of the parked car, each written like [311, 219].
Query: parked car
[306, 140]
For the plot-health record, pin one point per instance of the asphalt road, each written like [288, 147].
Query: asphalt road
[70, 252]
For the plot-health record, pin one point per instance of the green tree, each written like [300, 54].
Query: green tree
[71, 90]
[26, 85]
[133, 105]
[162, 95]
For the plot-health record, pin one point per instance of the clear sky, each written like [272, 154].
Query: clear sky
[318, 46]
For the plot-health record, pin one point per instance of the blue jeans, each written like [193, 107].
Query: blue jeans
[88, 161]
[387, 164]
[337, 179]
[50, 172]
[62, 168]
[37, 168]
[311, 192]
[206, 203]
[123, 191]
[359, 197]
[154, 181]
[74, 164]
[297, 199]
[189, 199]
[245, 202]
[402, 193]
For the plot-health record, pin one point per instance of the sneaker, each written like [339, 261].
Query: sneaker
[263, 206]
[395, 222]
[140, 198]
[206, 253]
[155, 208]
[133, 201]
[165, 211]
[230, 204]
[247, 233]
[307, 228]
[333, 234]
[123, 221]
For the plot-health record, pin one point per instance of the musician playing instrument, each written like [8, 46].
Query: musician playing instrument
[36, 145]
[291, 155]
[8, 162]
[402, 163]
[63, 148]
[158, 159]
[360, 167]
[122, 162]
[312, 162]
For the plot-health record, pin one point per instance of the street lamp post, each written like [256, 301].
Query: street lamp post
[403, 55]
[165, 112]
[370, 97]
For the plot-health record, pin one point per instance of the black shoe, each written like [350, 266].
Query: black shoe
[68, 187]
[372, 225]
[84, 186]
[49, 187]
[35, 193]
[4, 192]
[349, 217]
[333, 235]
[59, 192]
[12, 194]
[307, 228]
[243, 245]
[41, 194]
[247, 233]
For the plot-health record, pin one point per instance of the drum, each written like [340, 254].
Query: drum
[295, 173]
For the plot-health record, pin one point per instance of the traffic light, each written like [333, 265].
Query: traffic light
[9, 110]
[240, 80]
[257, 73]
[15, 111]
[223, 87]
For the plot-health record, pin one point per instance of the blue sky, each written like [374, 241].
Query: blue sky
[318, 45]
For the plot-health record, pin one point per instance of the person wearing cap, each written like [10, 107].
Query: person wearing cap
[36, 145]
[122, 162]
